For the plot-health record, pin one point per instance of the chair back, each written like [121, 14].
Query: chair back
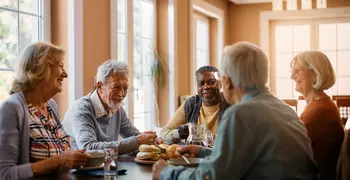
[292, 102]
[343, 104]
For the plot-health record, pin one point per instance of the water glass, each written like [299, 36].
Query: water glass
[208, 138]
[110, 155]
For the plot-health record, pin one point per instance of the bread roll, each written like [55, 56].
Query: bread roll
[171, 151]
[149, 148]
[164, 146]
[144, 155]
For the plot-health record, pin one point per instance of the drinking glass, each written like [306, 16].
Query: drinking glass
[110, 155]
[208, 138]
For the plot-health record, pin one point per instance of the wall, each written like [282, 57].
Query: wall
[59, 37]
[244, 19]
[96, 39]
[163, 50]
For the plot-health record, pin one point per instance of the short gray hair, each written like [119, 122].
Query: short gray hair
[246, 65]
[109, 67]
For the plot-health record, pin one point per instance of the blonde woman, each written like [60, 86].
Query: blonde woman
[313, 73]
[32, 140]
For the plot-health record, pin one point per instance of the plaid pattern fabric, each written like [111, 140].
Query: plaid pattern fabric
[47, 138]
[98, 106]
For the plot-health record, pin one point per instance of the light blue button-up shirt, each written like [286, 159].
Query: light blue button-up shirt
[259, 138]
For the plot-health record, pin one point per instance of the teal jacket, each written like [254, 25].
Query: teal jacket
[259, 138]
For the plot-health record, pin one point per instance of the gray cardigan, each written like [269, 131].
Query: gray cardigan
[88, 131]
[15, 138]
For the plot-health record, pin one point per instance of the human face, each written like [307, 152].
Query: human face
[113, 92]
[58, 74]
[208, 87]
[303, 77]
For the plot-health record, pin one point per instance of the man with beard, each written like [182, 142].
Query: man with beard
[96, 120]
[207, 107]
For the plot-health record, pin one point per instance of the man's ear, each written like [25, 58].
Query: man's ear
[99, 86]
[227, 81]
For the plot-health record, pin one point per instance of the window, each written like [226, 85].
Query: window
[201, 29]
[21, 23]
[332, 37]
[135, 28]
[144, 41]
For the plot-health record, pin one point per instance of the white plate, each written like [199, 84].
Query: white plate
[181, 162]
[89, 168]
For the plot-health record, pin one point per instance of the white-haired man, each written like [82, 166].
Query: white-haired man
[97, 119]
[259, 137]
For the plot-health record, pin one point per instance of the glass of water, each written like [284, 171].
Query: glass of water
[110, 156]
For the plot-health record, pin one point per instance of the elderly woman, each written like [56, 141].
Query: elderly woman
[259, 137]
[32, 140]
[313, 73]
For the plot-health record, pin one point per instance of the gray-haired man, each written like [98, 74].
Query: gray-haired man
[97, 119]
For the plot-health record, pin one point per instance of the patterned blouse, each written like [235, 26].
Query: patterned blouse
[47, 137]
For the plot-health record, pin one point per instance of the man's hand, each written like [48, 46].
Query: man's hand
[157, 168]
[190, 150]
[159, 140]
[147, 137]
[183, 131]
[73, 159]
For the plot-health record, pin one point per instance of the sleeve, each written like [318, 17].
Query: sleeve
[169, 132]
[129, 132]
[10, 145]
[232, 155]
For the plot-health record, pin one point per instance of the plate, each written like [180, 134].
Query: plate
[144, 161]
[181, 162]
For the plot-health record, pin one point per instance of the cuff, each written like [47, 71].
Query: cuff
[127, 145]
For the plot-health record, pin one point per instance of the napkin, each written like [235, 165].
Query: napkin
[98, 172]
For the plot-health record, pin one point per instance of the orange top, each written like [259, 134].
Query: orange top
[325, 130]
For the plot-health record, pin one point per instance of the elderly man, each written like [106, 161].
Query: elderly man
[205, 108]
[97, 119]
[259, 137]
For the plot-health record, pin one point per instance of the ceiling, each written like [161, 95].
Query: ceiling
[250, 1]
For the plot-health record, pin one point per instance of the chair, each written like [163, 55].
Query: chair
[292, 102]
[343, 104]
[183, 98]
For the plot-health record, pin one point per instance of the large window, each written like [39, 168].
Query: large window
[331, 37]
[135, 42]
[21, 23]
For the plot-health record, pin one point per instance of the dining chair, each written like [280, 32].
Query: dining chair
[343, 104]
[292, 102]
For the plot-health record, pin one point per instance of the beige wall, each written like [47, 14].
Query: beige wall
[163, 50]
[96, 39]
[59, 36]
[244, 19]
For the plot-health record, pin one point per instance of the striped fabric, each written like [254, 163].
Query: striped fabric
[47, 138]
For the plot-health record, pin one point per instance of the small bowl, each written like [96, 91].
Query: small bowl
[96, 159]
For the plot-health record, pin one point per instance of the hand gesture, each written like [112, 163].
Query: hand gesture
[147, 137]
[183, 131]
[157, 168]
[73, 159]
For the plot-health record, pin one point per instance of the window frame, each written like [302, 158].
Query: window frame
[44, 23]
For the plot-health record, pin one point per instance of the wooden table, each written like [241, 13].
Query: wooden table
[134, 171]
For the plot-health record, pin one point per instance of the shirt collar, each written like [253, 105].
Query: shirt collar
[98, 106]
[250, 94]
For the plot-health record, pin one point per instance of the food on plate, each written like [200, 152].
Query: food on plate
[151, 152]
[164, 146]
[144, 155]
[171, 151]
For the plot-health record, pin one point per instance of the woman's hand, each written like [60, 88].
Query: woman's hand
[73, 159]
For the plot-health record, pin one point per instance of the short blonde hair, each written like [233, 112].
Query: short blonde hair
[34, 65]
[320, 64]
[246, 64]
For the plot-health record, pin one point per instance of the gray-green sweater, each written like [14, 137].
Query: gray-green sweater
[93, 133]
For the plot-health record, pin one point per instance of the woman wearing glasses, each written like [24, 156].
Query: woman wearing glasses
[32, 140]
[313, 73]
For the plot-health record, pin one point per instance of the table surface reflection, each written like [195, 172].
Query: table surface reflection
[134, 171]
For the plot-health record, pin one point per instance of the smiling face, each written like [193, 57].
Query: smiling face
[53, 85]
[303, 77]
[113, 92]
[208, 87]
